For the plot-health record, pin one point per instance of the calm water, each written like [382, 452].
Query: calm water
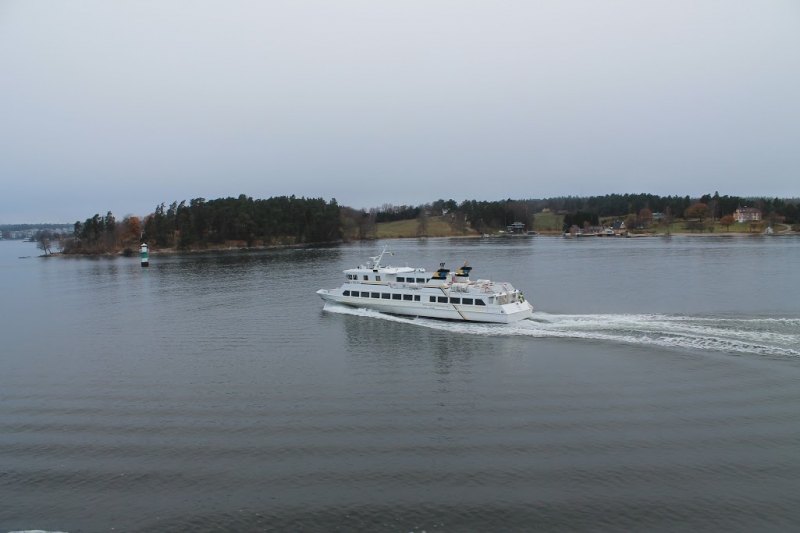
[657, 388]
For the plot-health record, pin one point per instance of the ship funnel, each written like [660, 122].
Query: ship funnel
[464, 271]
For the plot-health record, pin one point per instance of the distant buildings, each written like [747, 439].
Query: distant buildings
[31, 232]
[598, 231]
[747, 214]
[23, 234]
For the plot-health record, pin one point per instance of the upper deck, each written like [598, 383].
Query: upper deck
[414, 279]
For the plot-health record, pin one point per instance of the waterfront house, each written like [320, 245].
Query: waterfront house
[747, 214]
[591, 231]
[516, 228]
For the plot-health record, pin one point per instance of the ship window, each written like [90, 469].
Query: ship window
[376, 295]
[366, 277]
[420, 280]
[442, 299]
[479, 301]
[401, 280]
[455, 300]
[416, 297]
[468, 301]
[396, 297]
[377, 278]
[348, 276]
[346, 293]
[433, 299]
[407, 297]
[385, 295]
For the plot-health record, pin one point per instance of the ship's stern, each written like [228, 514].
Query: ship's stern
[517, 311]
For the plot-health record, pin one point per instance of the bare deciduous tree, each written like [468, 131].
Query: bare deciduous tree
[422, 224]
[458, 222]
[667, 218]
[44, 241]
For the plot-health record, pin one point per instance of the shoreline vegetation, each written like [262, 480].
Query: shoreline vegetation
[244, 223]
[240, 246]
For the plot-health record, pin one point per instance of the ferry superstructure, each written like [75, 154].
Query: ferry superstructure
[414, 292]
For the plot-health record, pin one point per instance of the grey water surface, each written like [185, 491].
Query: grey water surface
[657, 388]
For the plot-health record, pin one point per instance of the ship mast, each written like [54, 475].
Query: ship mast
[376, 261]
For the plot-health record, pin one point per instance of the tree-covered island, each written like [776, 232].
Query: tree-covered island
[287, 220]
[223, 222]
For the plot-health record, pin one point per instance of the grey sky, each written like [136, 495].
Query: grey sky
[120, 106]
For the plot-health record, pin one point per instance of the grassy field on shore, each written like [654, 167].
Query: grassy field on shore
[549, 222]
[680, 227]
[440, 227]
[437, 227]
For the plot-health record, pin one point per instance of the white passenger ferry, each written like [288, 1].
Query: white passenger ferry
[412, 291]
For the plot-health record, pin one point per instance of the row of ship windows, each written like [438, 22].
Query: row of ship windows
[399, 280]
[454, 300]
[415, 298]
[383, 295]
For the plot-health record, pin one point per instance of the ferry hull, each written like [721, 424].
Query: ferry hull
[499, 314]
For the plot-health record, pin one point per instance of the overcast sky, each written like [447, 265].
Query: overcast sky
[122, 105]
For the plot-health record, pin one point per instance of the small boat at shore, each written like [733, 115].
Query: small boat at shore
[412, 291]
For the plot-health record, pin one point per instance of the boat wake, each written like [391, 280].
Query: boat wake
[745, 335]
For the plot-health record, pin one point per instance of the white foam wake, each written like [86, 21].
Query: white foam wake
[747, 335]
[35, 531]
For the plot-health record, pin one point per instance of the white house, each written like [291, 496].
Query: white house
[747, 214]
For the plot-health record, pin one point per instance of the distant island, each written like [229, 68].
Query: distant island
[244, 222]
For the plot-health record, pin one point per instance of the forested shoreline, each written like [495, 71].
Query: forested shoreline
[498, 214]
[288, 220]
[202, 224]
